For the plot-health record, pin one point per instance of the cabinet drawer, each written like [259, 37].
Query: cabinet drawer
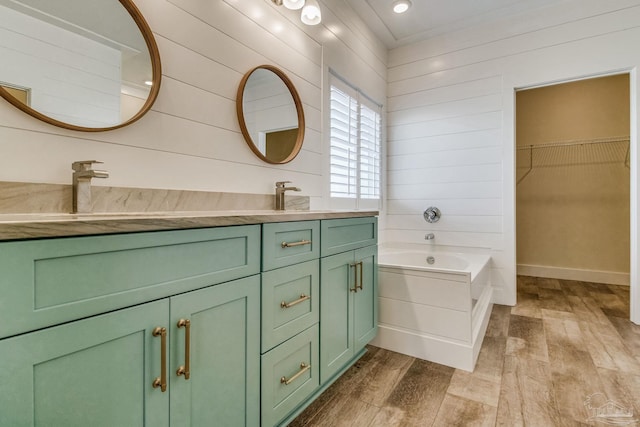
[341, 235]
[45, 282]
[290, 302]
[286, 382]
[288, 243]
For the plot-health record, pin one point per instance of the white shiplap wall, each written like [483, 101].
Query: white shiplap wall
[191, 139]
[451, 120]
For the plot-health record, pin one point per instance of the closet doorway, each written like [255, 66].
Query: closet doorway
[573, 180]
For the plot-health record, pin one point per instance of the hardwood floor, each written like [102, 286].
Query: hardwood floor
[539, 362]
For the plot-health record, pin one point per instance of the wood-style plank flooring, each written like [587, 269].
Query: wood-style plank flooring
[540, 360]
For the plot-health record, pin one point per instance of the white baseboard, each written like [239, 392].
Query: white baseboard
[449, 352]
[597, 276]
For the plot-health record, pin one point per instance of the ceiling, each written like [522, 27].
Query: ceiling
[429, 18]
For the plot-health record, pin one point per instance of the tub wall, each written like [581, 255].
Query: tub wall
[429, 315]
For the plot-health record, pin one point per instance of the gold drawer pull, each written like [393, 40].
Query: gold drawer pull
[303, 368]
[361, 268]
[161, 381]
[302, 298]
[355, 277]
[293, 244]
[184, 369]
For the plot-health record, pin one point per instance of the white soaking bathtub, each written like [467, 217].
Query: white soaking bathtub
[437, 312]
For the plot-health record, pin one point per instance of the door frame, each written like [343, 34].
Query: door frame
[634, 187]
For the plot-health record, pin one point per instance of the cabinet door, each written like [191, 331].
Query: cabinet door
[224, 384]
[336, 315]
[365, 301]
[93, 372]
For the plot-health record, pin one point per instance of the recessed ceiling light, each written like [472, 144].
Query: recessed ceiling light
[149, 83]
[401, 6]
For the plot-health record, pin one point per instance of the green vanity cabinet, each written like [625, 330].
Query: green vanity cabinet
[50, 281]
[349, 292]
[100, 371]
[300, 361]
[290, 314]
[93, 372]
[229, 326]
[223, 388]
[78, 317]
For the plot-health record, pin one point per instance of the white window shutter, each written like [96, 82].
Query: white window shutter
[355, 147]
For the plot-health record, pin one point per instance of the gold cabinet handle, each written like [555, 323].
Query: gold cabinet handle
[161, 381]
[303, 368]
[355, 277]
[302, 298]
[185, 369]
[360, 267]
[294, 244]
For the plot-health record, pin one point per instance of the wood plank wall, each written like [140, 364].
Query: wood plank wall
[451, 118]
[191, 139]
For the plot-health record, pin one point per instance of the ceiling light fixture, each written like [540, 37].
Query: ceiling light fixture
[310, 15]
[293, 4]
[401, 6]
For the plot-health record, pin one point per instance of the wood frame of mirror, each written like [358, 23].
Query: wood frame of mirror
[299, 111]
[156, 72]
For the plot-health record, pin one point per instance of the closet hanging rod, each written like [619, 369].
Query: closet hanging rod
[571, 144]
[575, 142]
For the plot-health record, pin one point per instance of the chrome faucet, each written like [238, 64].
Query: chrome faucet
[280, 189]
[429, 236]
[82, 174]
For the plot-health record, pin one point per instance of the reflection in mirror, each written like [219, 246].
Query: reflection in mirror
[81, 64]
[270, 114]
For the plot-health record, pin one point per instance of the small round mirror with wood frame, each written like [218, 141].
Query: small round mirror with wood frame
[86, 65]
[270, 114]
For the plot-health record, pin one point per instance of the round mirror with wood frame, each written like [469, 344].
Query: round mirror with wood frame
[270, 114]
[99, 69]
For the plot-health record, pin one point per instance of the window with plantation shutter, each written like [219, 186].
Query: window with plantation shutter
[355, 144]
[369, 153]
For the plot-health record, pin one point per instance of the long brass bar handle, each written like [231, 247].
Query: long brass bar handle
[355, 277]
[185, 369]
[161, 381]
[303, 368]
[294, 244]
[360, 268]
[302, 298]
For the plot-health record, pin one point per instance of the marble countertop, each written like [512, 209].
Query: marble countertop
[40, 225]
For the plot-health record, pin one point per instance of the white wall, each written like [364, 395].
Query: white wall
[191, 139]
[451, 120]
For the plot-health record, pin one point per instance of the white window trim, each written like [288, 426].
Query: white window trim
[362, 99]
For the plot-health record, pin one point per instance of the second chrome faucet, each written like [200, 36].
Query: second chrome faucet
[280, 189]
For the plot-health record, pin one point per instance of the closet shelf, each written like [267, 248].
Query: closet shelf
[574, 152]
